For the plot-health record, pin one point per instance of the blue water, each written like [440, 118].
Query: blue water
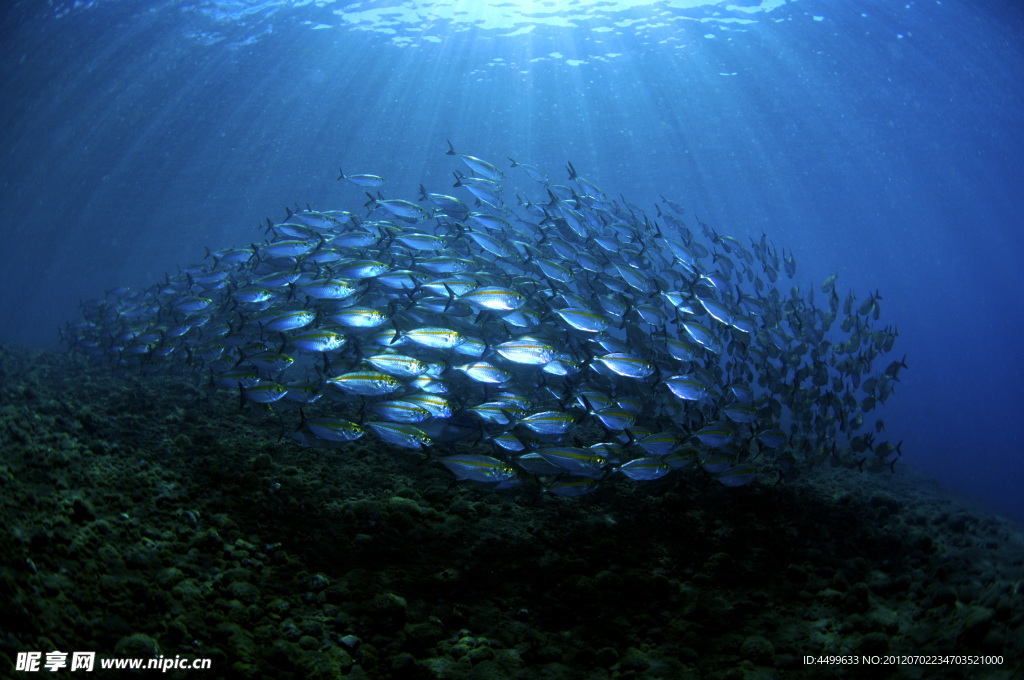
[879, 140]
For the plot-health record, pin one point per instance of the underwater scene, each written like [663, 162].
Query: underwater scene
[555, 339]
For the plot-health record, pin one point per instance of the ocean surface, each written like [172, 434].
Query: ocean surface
[877, 141]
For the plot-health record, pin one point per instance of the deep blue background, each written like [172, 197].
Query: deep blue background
[879, 140]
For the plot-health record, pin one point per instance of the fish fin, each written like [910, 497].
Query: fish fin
[398, 334]
[451, 297]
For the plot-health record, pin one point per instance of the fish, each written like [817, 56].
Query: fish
[687, 388]
[320, 340]
[485, 372]
[288, 321]
[741, 474]
[490, 243]
[583, 319]
[575, 460]
[398, 207]
[477, 468]
[329, 289]
[365, 383]
[360, 269]
[284, 249]
[715, 435]
[703, 336]
[445, 205]
[578, 340]
[534, 173]
[660, 443]
[481, 167]
[644, 469]
[358, 317]
[435, 337]
[739, 413]
[270, 363]
[400, 411]
[486, 191]
[263, 392]
[362, 180]
[718, 311]
[615, 418]
[402, 435]
[626, 365]
[495, 298]
[572, 487]
[527, 350]
[398, 365]
[334, 429]
[436, 405]
[548, 422]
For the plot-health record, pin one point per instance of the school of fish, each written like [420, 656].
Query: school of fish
[551, 335]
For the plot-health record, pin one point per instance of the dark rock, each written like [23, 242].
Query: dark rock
[246, 593]
[873, 644]
[758, 649]
[633, 660]
[796, 574]
[976, 624]
[138, 646]
[420, 637]
[387, 612]
[943, 596]
[606, 657]
[317, 582]
[925, 544]
[82, 511]
[857, 599]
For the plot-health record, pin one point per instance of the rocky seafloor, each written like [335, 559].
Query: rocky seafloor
[145, 516]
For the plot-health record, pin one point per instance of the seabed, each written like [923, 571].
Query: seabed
[149, 515]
